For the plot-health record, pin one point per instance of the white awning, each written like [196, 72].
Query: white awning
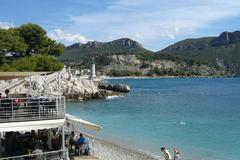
[31, 125]
[76, 120]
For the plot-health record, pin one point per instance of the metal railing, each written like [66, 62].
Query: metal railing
[54, 155]
[91, 140]
[25, 109]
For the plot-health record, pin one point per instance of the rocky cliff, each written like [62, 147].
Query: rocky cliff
[222, 51]
[132, 64]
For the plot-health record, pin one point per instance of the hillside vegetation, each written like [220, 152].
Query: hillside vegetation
[202, 56]
[221, 52]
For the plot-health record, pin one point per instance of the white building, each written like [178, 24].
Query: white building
[23, 118]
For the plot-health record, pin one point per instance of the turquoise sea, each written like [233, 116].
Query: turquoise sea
[148, 117]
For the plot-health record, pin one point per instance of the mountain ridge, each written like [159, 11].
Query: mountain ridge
[221, 52]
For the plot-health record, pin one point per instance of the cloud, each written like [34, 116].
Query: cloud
[6, 25]
[153, 21]
[67, 38]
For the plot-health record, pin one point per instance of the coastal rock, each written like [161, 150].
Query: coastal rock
[115, 87]
[121, 88]
[71, 87]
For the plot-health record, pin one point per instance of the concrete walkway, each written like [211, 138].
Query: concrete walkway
[85, 158]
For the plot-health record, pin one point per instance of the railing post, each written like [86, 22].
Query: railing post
[57, 106]
[93, 146]
[64, 107]
[0, 144]
[12, 110]
[39, 114]
[63, 143]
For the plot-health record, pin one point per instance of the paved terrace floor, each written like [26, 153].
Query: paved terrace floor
[85, 158]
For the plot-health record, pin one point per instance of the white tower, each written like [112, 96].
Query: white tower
[92, 70]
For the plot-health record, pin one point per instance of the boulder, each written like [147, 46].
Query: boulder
[121, 88]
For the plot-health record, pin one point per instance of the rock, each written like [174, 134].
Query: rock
[110, 87]
[226, 38]
[115, 87]
[102, 86]
[121, 88]
[124, 59]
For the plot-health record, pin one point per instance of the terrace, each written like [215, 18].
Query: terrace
[31, 109]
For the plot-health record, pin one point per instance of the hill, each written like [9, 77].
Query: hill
[95, 49]
[220, 52]
[204, 56]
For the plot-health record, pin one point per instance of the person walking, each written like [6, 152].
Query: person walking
[167, 155]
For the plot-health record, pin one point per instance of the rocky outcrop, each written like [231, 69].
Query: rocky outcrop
[226, 38]
[115, 87]
[124, 59]
[71, 87]
[93, 44]
[126, 42]
[132, 64]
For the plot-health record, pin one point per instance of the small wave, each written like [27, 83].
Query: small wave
[113, 97]
[181, 123]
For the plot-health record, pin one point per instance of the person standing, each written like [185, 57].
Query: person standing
[167, 155]
[176, 154]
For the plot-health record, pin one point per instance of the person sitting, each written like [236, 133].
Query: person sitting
[80, 144]
[73, 139]
[87, 147]
[39, 153]
[167, 155]
[55, 140]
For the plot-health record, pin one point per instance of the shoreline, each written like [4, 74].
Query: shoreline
[108, 150]
[163, 77]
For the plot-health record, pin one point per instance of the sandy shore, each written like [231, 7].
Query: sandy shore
[105, 150]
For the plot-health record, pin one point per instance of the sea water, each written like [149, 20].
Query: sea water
[198, 116]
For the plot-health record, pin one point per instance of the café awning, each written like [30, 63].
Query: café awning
[76, 120]
[31, 125]
[13, 75]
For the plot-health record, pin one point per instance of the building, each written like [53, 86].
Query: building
[28, 122]
[92, 70]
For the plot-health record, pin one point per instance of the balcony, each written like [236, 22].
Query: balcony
[29, 109]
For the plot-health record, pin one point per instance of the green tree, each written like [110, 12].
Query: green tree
[11, 41]
[38, 41]
[36, 63]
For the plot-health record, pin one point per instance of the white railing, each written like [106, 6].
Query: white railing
[24, 109]
[54, 155]
[91, 140]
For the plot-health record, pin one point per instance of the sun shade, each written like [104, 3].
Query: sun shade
[31, 125]
[76, 120]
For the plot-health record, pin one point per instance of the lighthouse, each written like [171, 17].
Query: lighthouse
[92, 70]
